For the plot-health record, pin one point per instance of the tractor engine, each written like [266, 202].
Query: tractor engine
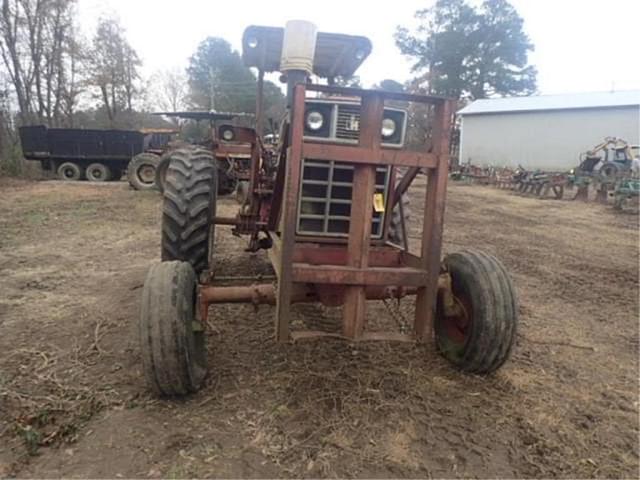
[325, 202]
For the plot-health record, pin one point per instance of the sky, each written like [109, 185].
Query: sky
[580, 45]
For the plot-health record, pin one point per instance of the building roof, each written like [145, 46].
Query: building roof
[553, 102]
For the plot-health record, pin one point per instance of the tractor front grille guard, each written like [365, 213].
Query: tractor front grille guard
[325, 199]
[348, 271]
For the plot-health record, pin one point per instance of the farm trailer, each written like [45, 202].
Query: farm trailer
[320, 207]
[96, 155]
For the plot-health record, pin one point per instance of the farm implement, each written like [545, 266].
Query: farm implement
[626, 190]
[542, 184]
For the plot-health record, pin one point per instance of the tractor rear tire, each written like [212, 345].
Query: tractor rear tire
[98, 172]
[70, 171]
[396, 231]
[189, 205]
[480, 338]
[609, 171]
[172, 340]
[141, 171]
[161, 172]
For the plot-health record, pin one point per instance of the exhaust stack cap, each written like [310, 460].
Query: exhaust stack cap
[298, 46]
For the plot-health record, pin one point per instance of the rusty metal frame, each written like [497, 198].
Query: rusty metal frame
[339, 271]
[358, 272]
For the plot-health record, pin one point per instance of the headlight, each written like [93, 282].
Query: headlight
[228, 135]
[315, 120]
[388, 127]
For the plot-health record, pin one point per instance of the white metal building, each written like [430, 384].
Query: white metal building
[547, 131]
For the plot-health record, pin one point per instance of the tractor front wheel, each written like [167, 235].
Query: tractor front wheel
[478, 333]
[172, 340]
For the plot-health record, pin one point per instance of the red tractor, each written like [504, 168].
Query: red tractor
[232, 155]
[321, 205]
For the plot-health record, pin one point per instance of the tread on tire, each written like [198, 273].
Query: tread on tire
[172, 341]
[396, 232]
[189, 205]
[481, 341]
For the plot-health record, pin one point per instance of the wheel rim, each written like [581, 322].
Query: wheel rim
[97, 174]
[197, 353]
[457, 328]
[68, 173]
[146, 174]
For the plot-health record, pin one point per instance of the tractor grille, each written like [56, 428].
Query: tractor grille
[325, 200]
[348, 122]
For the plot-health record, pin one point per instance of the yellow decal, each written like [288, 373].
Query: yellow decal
[378, 203]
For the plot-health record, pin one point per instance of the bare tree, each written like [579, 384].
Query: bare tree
[6, 126]
[170, 89]
[13, 37]
[72, 84]
[113, 68]
[35, 40]
[130, 64]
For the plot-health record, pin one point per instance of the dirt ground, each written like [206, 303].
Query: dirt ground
[73, 403]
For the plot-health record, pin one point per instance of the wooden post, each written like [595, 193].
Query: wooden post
[432, 222]
[364, 179]
[288, 219]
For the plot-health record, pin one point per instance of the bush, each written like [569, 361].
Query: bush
[13, 164]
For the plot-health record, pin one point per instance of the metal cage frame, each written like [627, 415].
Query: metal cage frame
[350, 272]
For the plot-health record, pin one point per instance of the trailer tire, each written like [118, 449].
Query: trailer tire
[396, 224]
[189, 205]
[161, 172]
[172, 340]
[480, 338]
[141, 171]
[70, 171]
[98, 172]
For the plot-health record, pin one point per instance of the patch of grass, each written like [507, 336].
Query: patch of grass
[31, 438]
[13, 164]
[36, 217]
[179, 470]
